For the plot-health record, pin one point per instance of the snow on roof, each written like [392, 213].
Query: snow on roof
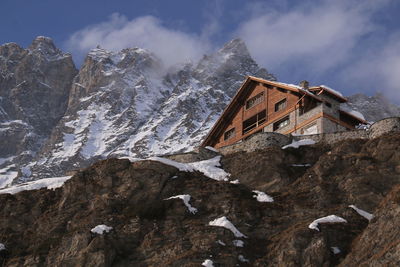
[185, 199]
[363, 213]
[297, 144]
[333, 91]
[208, 263]
[225, 223]
[262, 197]
[100, 229]
[352, 112]
[327, 219]
[49, 183]
[292, 85]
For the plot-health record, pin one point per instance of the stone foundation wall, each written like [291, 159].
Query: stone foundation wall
[257, 141]
[331, 138]
[267, 139]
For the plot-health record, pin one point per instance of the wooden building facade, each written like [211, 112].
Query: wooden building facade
[268, 106]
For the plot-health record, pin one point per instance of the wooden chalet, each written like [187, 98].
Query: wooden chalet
[268, 106]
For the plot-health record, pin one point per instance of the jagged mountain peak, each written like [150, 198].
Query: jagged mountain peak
[128, 58]
[236, 46]
[42, 43]
[7, 47]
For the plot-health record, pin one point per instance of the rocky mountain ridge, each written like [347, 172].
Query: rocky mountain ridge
[54, 119]
[318, 205]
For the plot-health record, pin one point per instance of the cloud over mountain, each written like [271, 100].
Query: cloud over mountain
[118, 32]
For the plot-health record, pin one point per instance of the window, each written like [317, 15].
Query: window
[329, 105]
[281, 123]
[254, 121]
[280, 105]
[255, 100]
[229, 134]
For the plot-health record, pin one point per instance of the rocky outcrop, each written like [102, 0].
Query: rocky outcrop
[375, 107]
[35, 83]
[53, 228]
[127, 104]
[54, 120]
[34, 89]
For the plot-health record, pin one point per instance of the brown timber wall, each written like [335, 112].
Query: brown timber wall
[271, 96]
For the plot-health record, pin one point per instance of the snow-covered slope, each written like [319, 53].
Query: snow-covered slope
[54, 119]
[127, 104]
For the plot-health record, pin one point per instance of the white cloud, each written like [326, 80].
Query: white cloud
[337, 42]
[172, 46]
[334, 42]
[378, 69]
[318, 37]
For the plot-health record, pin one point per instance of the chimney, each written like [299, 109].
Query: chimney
[304, 84]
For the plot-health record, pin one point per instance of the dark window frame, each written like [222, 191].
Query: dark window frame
[257, 99]
[279, 124]
[280, 105]
[229, 134]
[254, 121]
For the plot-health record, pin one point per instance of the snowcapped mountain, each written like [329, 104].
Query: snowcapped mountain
[54, 119]
[127, 103]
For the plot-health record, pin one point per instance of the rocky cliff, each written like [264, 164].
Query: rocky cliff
[318, 205]
[374, 107]
[34, 90]
[54, 119]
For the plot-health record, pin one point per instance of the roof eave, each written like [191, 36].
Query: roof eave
[355, 117]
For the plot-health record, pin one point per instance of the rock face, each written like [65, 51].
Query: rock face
[375, 107]
[127, 104]
[54, 119]
[34, 89]
[53, 228]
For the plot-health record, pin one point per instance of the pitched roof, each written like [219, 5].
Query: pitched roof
[325, 89]
[241, 94]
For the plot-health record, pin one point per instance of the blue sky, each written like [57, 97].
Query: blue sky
[350, 45]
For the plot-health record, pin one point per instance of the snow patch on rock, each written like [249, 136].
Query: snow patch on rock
[297, 144]
[238, 243]
[225, 223]
[262, 197]
[208, 263]
[363, 213]
[49, 183]
[185, 199]
[100, 229]
[327, 219]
